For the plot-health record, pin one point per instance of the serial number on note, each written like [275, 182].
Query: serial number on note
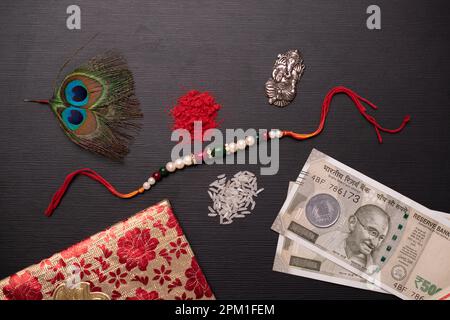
[401, 288]
[340, 191]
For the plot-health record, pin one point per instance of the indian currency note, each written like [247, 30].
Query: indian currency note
[367, 228]
[294, 258]
[443, 295]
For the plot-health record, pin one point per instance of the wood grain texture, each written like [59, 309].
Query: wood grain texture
[228, 49]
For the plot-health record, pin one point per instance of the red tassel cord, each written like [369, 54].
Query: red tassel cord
[358, 101]
[197, 159]
[57, 197]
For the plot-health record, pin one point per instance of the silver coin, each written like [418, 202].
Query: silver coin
[323, 210]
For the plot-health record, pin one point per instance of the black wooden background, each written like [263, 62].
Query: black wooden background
[227, 49]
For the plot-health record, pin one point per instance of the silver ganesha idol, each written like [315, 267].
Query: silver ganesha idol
[281, 89]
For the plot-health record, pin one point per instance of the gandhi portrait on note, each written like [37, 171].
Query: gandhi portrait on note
[367, 228]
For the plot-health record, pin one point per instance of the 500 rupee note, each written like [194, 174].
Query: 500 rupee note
[367, 228]
[294, 258]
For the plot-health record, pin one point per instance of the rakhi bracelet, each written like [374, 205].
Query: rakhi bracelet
[229, 148]
[194, 159]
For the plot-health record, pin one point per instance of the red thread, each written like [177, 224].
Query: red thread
[57, 197]
[194, 100]
[357, 100]
[195, 106]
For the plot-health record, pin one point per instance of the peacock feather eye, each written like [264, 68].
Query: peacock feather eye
[73, 117]
[82, 91]
[96, 106]
[76, 93]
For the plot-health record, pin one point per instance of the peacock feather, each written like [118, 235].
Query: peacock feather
[96, 106]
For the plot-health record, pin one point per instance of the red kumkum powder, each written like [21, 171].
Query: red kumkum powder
[195, 106]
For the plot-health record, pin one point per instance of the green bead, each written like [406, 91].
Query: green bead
[163, 171]
[217, 152]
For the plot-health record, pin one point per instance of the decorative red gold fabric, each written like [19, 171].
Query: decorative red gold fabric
[145, 257]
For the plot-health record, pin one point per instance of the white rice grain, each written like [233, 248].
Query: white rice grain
[232, 198]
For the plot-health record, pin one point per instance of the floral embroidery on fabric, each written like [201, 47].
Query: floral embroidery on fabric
[160, 208]
[46, 263]
[83, 267]
[76, 250]
[106, 252]
[60, 264]
[175, 283]
[58, 277]
[173, 223]
[136, 248]
[162, 274]
[93, 287]
[145, 257]
[117, 278]
[178, 247]
[165, 254]
[141, 279]
[101, 277]
[23, 287]
[182, 297]
[116, 295]
[160, 226]
[196, 281]
[103, 263]
[142, 294]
